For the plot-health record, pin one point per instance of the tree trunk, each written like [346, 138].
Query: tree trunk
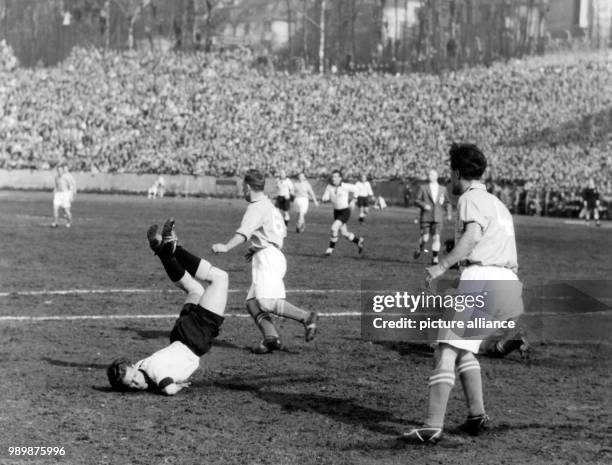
[322, 39]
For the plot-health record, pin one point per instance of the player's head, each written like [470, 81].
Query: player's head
[254, 181]
[301, 177]
[123, 376]
[363, 177]
[282, 174]
[591, 183]
[336, 177]
[467, 164]
[432, 176]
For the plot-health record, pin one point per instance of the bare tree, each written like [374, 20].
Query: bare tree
[132, 9]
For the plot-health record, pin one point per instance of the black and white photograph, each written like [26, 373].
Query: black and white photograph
[306, 232]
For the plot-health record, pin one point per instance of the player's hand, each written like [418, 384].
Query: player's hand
[427, 207]
[432, 273]
[249, 255]
[219, 248]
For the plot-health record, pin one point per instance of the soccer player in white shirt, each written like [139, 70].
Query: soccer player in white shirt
[167, 371]
[263, 225]
[63, 195]
[284, 194]
[486, 250]
[364, 194]
[303, 191]
[338, 193]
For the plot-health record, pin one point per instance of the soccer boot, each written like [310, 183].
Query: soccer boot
[329, 251]
[267, 345]
[474, 425]
[154, 237]
[310, 327]
[169, 238]
[424, 435]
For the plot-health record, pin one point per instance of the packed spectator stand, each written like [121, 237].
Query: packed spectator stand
[545, 123]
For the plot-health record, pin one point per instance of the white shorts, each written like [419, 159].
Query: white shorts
[62, 199]
[512, 299]
[268, 271]
[301, 205]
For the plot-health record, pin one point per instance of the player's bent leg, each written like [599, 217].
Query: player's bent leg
[335, 228]
[468, 370]
[215, 298]
[435, 248]
[192, 288]
[358, 241]
[271, 340]
[282, 308]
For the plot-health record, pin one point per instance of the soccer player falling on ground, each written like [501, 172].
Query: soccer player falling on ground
[364, 194]
[263, 225]
[486, 249]
[284, 194]
[338, 193]
[431, 198]
[63, 195]
[303, 191]
[167, 371]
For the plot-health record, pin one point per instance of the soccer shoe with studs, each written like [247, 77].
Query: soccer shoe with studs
[329, 251]
[169, 238]
[310, 327]
[474, 425]
[269, 344]
[360, 245]
[154, 237]
[435, 261]
[424, 435]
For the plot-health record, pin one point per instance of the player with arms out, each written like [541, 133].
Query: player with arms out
[64, 193]
[284, 194]
[263, 225]
[338, 193]
[167, 371]
[430, 199]
[364, 194]
[303, 191]
[590, 203]
[486, 250]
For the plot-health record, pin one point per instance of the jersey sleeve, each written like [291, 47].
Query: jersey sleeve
[469, 212]
[370, 191]
[326, 194]
[251, 221]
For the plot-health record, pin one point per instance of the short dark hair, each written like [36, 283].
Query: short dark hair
[116, 372]
[468, 159]
[255, 179]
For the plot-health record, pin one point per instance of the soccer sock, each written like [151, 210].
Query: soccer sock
[332, 242]
[434, 254]
[469, 373]
[173, 268]
[281, 307]
[262, 320]
[187, 260]
[441, 383]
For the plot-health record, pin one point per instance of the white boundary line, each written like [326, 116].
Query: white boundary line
[157, 291]
[138, 317]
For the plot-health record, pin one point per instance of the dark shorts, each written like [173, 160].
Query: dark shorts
[363, 201]
[342, 215]
[196, 327]
[431, 226]
[283, 203]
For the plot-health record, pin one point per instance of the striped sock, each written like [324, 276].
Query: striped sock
[262, 320]
[469, 373]
[288, 310]
[441, 383]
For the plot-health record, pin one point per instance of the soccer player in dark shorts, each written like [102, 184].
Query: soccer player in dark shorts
[167, 371]
[591, 203]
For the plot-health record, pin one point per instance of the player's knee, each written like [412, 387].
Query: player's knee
[425, 237]
[268, 305]
[435, 242]
[218, 276]
[444, 357]
[465, 356]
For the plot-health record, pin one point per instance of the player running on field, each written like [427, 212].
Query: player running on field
[167, 371]
[63, 195]
[284, 194]
[338, 193]
[263, 225]
[486, 250]
[590, 203]
[303, 192]
[431, 198]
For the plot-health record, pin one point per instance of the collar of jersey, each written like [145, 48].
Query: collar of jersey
[477, 185]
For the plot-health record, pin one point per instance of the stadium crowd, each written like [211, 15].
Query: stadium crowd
[543, 122]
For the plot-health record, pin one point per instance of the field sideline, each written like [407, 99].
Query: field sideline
[339, 400]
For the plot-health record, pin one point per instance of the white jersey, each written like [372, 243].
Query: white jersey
[284, 188]
[263, 224]
[172, 364]
[302, 189]
[339, 195]
[364, 189]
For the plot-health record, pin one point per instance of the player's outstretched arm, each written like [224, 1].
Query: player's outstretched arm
[229, 245]
[172, 389]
